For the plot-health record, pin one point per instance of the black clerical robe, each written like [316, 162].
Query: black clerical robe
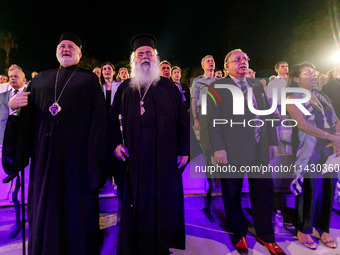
[154, 140]
[69, 161]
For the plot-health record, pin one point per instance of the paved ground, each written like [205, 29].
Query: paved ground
[203, 237]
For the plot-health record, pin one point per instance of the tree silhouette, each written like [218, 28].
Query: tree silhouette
[7, 42]
[89, 63]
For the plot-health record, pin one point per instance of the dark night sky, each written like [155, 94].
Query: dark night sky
[186, 30]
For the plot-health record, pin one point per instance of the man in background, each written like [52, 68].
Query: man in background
[332, 89]
[279, 82]
[176, 74]
[165, 68]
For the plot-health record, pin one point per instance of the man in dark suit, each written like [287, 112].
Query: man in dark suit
[16, 82]
[176, 74]
[239, 143]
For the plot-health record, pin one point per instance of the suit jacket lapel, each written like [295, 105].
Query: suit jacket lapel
[7, 95]
[257, 93]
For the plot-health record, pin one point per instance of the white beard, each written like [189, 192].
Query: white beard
[144, 73]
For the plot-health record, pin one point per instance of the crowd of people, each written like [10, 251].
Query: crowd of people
[314, 139]
[79, 128]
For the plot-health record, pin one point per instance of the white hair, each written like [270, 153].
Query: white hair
[145, 72]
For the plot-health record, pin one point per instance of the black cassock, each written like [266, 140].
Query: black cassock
[69, 161]
[154, 140]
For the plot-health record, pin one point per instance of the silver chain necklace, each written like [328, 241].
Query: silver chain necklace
[55, 108]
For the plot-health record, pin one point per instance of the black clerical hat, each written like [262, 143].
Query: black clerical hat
[143, 40]
[72, 35]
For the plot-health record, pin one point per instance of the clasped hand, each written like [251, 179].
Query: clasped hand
[121, 152]
[336, 149]
[335, 143]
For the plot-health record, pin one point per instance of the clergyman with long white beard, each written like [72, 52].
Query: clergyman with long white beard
[156, 135]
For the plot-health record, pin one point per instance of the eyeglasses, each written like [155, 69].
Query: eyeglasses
[251, 72]
[238, 60]
[311, 72]
[141, 54]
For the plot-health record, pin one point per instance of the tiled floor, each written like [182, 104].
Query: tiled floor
[203, 237]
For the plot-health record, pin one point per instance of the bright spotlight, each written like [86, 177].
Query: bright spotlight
[336, 57]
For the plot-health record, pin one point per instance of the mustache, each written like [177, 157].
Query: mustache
[145, 64]
[145, 61]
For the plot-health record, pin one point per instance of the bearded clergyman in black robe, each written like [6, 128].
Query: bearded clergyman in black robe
[64, 130]
[156, 137]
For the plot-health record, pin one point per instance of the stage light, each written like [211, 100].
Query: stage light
[336, 57]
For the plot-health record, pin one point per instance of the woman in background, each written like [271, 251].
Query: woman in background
[123, 74]
[110, 86]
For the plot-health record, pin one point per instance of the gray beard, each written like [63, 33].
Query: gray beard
[144, 73]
